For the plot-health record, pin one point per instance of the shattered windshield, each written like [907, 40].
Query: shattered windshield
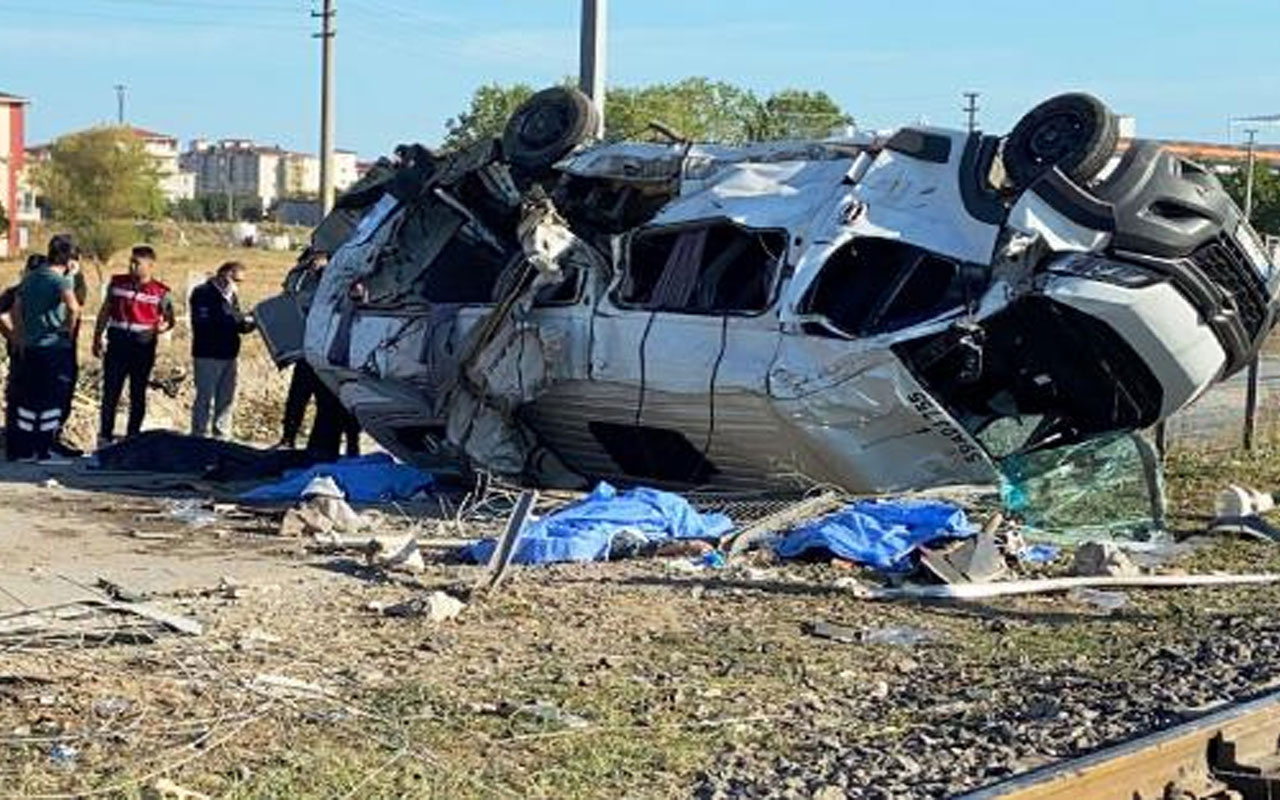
[1107, 487]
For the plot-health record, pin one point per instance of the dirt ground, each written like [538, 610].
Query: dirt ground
[648, 678]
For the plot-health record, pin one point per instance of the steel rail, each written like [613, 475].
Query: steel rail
[1225, 749]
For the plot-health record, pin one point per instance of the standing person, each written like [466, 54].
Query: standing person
[332, 421]
[301, 282]
[64, 251]
[216, 327]
[12, 439]
[137, 309]
[44, 314]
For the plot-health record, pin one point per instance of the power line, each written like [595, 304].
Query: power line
[133, 19]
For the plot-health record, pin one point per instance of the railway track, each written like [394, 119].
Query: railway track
[1229, 754]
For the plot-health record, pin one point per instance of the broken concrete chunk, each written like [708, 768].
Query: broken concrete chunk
[401, 554]
[321, 514]
[1094, 559]
[165, 789]
[435, 607]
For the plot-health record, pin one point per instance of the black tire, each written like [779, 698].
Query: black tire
[547, 127]
[1074, 132]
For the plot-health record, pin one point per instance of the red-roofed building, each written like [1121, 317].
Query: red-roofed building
[13, 111]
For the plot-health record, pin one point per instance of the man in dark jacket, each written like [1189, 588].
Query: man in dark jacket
[12, 439]
[216, 327]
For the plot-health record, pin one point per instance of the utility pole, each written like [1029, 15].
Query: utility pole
[1251, 380]
[120, 92]
[326, 37]
[972, 110]
[592, 53]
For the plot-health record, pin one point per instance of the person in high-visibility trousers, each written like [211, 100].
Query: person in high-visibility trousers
[45, 312]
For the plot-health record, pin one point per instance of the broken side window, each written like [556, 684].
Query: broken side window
[467, 270]
[712, 268]
[871, 285]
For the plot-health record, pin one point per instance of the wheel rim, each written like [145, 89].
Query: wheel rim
[1059, 136]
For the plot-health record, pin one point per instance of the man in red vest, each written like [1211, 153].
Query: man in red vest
[137, 309]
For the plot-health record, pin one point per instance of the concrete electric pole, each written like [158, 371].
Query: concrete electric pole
[120, 92]
[1251, 380]
[326, 36]
[971, 109]
[1252, 133]
[592, 53]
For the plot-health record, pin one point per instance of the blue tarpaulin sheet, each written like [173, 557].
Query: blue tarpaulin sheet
[364, 479]
[879, 533]
[583, 531]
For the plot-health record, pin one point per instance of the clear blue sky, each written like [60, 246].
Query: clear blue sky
[250, 68]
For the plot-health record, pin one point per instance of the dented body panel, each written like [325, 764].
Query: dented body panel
[856, 312]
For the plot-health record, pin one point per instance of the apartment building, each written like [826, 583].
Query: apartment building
[12, 160]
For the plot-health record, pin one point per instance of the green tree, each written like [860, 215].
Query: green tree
[1266, 195]
[698, 109]
[491, 104]
[98, 184]
[4, 220]
[799, 114]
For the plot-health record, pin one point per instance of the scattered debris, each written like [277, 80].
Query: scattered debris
[836, 633]
[192, 512]
[108, 707]
[1102, 559]
[284, 686]
[976, 591]
[898, 635]
[398, 553]
[254, 638]
[91, 622]
[435, 607]
[679, 548]
[63, 755]
[1239, 510]
[117, 591]
[1107, 601]
[148, 536]
[505, 548]
[975, 560]
[549, 715]
[1238, 501]
[742, 539]
[165, 789]
[1038, 553]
